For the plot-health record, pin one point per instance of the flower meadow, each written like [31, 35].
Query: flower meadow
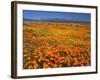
[55, 45]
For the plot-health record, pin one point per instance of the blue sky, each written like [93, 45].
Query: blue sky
[30, 14]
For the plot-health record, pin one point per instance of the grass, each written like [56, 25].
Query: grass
[52, 41]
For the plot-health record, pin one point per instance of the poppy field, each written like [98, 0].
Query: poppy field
[55, 45]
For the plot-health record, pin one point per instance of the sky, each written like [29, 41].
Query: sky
[31, 14]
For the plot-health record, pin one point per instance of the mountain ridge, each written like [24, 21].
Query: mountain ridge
[54, 20]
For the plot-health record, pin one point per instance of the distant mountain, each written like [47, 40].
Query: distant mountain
[54, 20]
